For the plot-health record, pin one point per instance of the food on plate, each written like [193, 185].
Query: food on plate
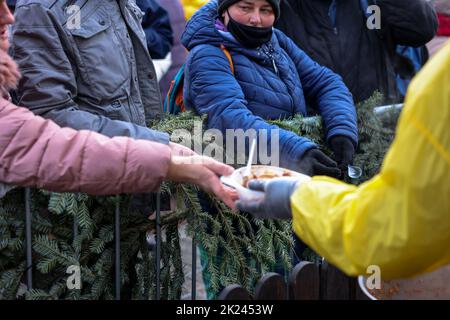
[265, 175]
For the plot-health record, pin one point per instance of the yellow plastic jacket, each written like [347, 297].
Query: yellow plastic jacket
[400, 219]
[191, 6]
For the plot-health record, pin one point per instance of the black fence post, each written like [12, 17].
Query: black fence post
[158, 245]
[29, 266]
[194, 270]
[117, 248]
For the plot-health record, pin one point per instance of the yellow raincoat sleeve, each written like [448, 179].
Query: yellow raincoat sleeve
[399, 220]
[191, 6]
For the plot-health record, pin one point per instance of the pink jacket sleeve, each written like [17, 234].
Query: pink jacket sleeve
[38, 153]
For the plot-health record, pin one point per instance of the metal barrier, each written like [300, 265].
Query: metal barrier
[306, 281]
[117, 271]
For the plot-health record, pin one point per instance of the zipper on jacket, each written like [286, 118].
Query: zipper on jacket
[270, 55]
[275, 66]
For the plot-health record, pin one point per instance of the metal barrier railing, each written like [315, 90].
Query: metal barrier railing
[117, 271]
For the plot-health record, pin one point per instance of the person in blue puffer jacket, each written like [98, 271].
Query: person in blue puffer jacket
[272, 79]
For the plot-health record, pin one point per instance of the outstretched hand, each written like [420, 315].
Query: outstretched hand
[204, 172]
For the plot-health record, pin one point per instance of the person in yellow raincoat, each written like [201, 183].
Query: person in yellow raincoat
[400, 219]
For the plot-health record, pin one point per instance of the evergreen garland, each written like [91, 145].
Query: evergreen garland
[248, 247]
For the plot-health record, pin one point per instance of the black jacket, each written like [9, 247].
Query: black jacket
[363, 57]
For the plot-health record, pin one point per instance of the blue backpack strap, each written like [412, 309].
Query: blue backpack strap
[170, 105]
[173, 103]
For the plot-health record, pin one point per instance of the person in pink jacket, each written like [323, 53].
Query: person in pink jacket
[36, 152]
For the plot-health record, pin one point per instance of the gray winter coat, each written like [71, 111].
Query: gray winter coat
[88, 69]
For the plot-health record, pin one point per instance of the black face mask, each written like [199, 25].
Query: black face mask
[251, 37]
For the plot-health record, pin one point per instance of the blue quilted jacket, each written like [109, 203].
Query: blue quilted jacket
[276, 80]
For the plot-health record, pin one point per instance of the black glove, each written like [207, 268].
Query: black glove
[276, 203]
[314, 162]
[343, 150]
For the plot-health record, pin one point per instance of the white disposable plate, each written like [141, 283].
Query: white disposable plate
[236, 180]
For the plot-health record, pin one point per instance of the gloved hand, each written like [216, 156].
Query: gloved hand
[276, 203]
[314, 162]
[343, 150]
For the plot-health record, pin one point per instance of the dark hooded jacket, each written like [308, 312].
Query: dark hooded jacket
[335, 34]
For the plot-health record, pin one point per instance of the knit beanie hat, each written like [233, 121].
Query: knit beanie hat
[225, 4]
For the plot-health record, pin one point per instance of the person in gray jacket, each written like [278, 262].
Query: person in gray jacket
[85, 65]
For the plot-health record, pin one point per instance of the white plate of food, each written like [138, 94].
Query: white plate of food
[239, 179]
